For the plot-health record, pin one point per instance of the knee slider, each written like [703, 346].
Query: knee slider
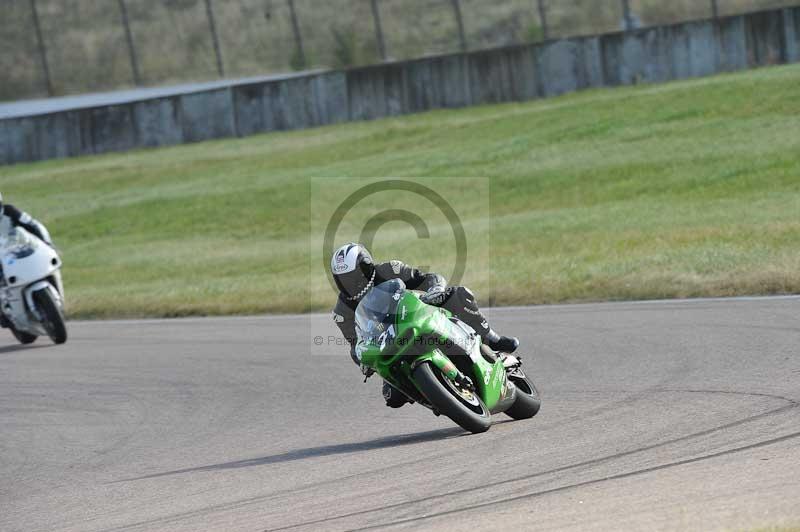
[466, 298]
[466, 293]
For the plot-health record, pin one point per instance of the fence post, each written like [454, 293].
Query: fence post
[123, 10]
[543, 19]
[298, 37]
[460, 22]
[215, 39]
[42, 49]
[715, 9]
[376, 16]
[626, 13]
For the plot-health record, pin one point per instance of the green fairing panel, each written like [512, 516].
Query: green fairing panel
[412, 319]
[399, 325]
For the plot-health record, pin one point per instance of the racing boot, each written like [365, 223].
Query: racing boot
[394, 397]
[501, 344]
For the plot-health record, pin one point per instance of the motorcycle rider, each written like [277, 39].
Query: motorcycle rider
[11, 216]
[355, 273]
[14, 217]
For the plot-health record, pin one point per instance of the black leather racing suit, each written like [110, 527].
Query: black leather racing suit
[22, 219]
[458, 300]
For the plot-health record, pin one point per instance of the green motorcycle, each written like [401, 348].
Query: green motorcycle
[438, 361]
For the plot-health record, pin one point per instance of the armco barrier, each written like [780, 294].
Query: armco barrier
[514, 73]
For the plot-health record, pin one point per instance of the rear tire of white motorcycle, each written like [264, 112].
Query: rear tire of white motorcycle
[23, 337]
[52, 316]
[428, 379]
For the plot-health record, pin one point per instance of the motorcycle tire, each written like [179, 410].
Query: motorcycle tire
[23, 337]
[528, 402]
[52, 316]
[462, 406]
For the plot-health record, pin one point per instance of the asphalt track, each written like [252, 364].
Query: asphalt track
[670, 415]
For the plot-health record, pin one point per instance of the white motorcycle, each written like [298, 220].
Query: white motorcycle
[31, 292]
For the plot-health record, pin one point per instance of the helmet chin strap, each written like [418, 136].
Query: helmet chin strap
[366, 288]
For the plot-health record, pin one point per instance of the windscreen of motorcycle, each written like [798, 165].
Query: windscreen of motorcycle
[17, 244]
[376, 314]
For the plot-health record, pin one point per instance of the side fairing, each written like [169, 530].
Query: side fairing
[418, 332]
[413, 321]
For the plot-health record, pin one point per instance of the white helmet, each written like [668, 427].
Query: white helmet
[353, 270]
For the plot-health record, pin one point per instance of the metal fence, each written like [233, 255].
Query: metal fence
[54, 47]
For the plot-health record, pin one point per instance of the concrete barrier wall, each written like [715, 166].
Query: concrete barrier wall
[517, 73]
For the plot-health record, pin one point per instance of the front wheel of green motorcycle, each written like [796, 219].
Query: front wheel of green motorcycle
[528, 402]
[461, 405]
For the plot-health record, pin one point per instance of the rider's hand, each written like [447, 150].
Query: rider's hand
[435, 296]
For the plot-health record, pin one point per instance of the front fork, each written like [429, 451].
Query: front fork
[493, 386]
[40, 285]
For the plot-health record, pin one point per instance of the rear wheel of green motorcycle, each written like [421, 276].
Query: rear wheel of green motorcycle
[463, 406]
[528, 402]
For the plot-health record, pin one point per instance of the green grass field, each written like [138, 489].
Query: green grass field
[679, 190]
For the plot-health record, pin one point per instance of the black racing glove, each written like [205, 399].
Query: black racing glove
[435, 296]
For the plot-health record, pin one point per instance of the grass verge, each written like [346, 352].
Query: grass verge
[680, 190]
